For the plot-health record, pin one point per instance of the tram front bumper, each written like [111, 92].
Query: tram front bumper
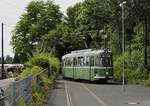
[110, 77]
[97, 77]
[103, 77]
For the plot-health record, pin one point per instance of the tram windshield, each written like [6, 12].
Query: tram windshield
[106, 60]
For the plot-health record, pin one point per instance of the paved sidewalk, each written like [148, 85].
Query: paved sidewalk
[58, 95]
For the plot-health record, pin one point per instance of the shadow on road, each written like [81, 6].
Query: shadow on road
[109, 82]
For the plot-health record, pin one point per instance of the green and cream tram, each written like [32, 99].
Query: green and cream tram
[88, 64]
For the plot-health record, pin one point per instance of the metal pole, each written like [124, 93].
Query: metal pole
[145, 45]
[145, 50]
[123, 47]
[3, 71]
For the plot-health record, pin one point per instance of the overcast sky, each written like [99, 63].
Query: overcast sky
[11, 10]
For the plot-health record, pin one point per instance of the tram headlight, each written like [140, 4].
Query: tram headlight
[107, 73]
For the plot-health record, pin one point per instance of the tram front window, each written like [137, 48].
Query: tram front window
[107, 61]
[103, 61]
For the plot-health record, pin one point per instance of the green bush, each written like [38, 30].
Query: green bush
[31, 70]
[45, 60]
[41, 90]
[20, 102]
[41, 60]
[134, 69]
[42, 82]
[34, 70]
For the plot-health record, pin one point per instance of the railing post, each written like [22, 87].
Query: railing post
[2, 101]
[22, 89]
[12, 93]
[30, 89]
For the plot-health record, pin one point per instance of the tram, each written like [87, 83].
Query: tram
[88, 64]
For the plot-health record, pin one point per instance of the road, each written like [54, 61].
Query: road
[71, 93]
[5, 85]
[6, 82]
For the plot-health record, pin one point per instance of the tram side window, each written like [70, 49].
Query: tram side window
[75, 61]
[98, 61]
[84, 62]
[88, 61]
[69, 62]
[80, 61]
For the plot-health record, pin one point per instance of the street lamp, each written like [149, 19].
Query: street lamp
[123, 44]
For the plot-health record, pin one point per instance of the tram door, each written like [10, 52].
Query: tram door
[88, 64]
[74, 68]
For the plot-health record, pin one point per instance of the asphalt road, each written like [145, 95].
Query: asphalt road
[71, 93]
[5, 84]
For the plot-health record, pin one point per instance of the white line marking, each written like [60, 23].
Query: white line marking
[70, 100]
[95, 96]
[68, 97]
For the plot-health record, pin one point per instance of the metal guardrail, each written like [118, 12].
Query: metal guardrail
[2, 102]
[38, 85]
[20, 91]
[4, 96]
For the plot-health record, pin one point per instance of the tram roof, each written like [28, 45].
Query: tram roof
[85, 52]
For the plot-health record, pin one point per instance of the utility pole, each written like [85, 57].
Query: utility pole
[2, 70]
[145, 44]
[123, 46]
[145, 49]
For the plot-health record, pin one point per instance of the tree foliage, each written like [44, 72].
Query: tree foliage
[8, 60]
[40, 17]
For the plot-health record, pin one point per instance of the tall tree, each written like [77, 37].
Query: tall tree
[87, 16]
[142, 8]
[8, 60]
[56, 41]
[40, 18]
